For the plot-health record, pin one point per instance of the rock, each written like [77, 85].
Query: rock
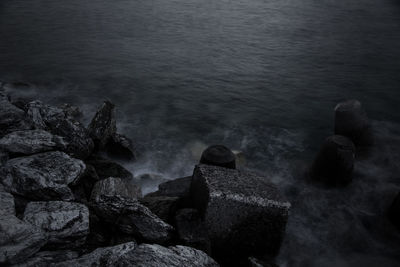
[72, 111]
[244, 213]
[351, 121]
[58, 122]
[394, 212]
[240, 158]
[3, 157]
[103, 126]
[115, 187]
[218, 155]
[335, 161]
[66, 223]
[120, 147]
[49, 258]
[163, 207]
[18, 240]
[131, 217]
[31, 142]
[12, 118]
[7, 206]
[191, 230]
[107, 168]
[44, 176]
[83, 189]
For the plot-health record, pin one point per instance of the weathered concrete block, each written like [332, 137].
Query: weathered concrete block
[244, 213]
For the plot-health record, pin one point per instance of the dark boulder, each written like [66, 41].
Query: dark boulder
[7, 206]
[244, 213]
[219, 155]
[116, 187]
[83, 189]
[162, 206]
[66, 223]
[334, 163]
[394, 212]
[106, 168]
[49, 258]
[120, 147]
[43, 176]
[103, 125]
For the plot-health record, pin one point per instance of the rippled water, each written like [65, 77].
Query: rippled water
[259, 76]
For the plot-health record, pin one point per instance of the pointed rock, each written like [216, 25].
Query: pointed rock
[103, 126]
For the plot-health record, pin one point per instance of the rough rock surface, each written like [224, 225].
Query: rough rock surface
[103, 126]
[7, 206]
[49, 258]
[66, 223]
[244, 213]
[107, 168]
[219, 155]
[163, 207]
[131, 217]
[31, 141]
[18, 240]
[43, 176]
[58, 122]
[116, 187]
[121, 147]
[12, 118]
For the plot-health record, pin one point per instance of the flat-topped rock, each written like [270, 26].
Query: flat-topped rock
[244, 213]
[66, 223]
[43, 176]
[116, 187]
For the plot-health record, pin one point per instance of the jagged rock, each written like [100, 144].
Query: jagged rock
[191, 230]
[131, 217]
[58, 122]
[72, 111]
[107, 168]
[176, 188]
[219, 155]
[394, 212]
[103, 126]
[49, 258]
[163, 207]
[12, 118]
[120, 147]
[31, 142]
[43, 176]
[66, 223]
[116, 187]
[334, 162]
[7, 206]
[18, 240]
[244, 213]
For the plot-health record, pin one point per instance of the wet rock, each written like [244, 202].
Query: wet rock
[49, 258]
[58, 122]
[131, 217]
[335, 161]
[44, 176]
[244, 213]
[219, 155]
[163, 207]
[12, 118]
[31, 142]
[7, 206]
[351, 121]
[107, 168]
[103, 126]
[115, 187]
[191, 230]
[394, 212]
[120, 147]
[18, 240]
[66, 223]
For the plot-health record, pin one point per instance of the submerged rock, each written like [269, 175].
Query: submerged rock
[31, 142]
[219, 155]
[44, 176]
[106, 168]
[244, 213]
[115, 187]
[103, 126]
[66, 223]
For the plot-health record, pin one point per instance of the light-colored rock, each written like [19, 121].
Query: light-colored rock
[116, 187]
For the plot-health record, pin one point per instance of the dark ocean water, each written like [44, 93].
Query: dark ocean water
[259, 76]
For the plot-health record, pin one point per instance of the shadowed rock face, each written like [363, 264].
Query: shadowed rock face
[103, 126]
[106, 168]
[66, 223]
[115, 187]
[44, 176]
[244, 213]
[11, 118]
[7, 206]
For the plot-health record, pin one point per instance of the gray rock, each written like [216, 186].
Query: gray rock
[58, 122]
[107, 168]
[131, 217]
[116, 187]
[66, 223]
[219, 155]
[3, 157]
[103, 126]
[163, 207]
[44, 176]
[12, 118]
[49, 258]
[83, 189]
[120, 147]
[31, 142]
[174, 188]
[244, 213]
[18, 240]
[7, 206]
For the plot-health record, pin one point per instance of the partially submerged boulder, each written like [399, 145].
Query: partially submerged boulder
[31, 142]
[244, 213]
[66, 223]
[43, 176]
[219, 155]
[116, 187]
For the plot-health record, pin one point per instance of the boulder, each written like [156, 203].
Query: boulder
[18, 240]
[106, 168]
[49, 258]
[58, 122]
[66, 223]
[3, 157]
[148, 181]
[191, 230]
[219, 155]
[351, 121]
[334, 163]
[43, 176]
[132, 218]
[103, 126]
[12, 118]
[72, 111]
[31, 142]
[7, 206]
[120, 147]
[394, 212]
[243, 212]
[163, 207]
[116, 187]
